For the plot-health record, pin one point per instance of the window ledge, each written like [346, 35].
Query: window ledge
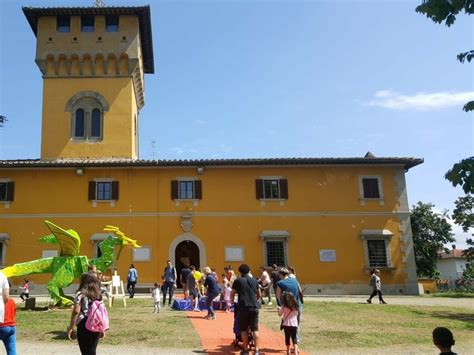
[185, 199]
[390, 268]
[103, 201]
[273, 199]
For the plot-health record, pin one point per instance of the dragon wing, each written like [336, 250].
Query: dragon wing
[68, 240]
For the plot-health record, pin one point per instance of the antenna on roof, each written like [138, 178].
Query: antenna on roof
[153, 149]
[99, 3]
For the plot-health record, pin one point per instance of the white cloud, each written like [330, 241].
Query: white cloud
[420, 101]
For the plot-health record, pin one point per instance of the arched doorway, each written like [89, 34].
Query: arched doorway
[186, 254]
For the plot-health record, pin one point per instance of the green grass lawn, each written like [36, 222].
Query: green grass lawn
[335, 325]
[325, 326]
[135, 324]
[453, 294]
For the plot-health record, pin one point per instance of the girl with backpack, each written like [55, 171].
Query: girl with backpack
[85, 306]
[289, 319]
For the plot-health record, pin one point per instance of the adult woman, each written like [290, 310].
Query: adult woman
[132, 279]
[376, 286]
[212, 291]
[88, 292]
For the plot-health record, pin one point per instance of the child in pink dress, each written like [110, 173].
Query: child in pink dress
[289, 316]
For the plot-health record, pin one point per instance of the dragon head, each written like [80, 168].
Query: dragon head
[121, 236]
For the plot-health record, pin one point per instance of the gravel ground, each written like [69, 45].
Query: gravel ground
[71, 348]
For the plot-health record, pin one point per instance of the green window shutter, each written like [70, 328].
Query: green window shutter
[174, 189]
[198, 189]
[284, 188]
[259, 188]
[115, 190]
[10, 191]
[92, 186]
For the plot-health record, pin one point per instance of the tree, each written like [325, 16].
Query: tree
[440, 11]
[431, 232]
[3, 119]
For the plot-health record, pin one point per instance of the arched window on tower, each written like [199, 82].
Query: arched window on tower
[87, 115]
[79, 124]
[96, 124]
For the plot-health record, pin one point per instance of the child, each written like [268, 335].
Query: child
[289, 315]
[227, 291]
[443, 339]
[155, 294]
[26, 290]
[8, 327]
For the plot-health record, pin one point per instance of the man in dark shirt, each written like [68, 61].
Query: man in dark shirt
[185, 271]
[249, 294]
[275, 276]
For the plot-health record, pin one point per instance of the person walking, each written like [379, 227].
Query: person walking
[376, 287]
[275, 277]
[170, 281]
[87, 293]
[193, 289]
[290, 285]
[265, 283]
[249, 293]
[185, 271]
[5, 291]
[8, 328]
[132, 279]
[212, 291]
[25, 294]
[289, 320]
[155, 294]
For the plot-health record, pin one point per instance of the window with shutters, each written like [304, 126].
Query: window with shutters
[272, 189]
[7, 189]
[186, 189]
[103, 190]
[370, 188]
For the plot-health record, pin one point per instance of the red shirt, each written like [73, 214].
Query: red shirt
[10, 312]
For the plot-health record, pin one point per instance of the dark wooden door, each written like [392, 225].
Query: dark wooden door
[186, 254]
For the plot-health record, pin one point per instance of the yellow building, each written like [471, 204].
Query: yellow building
[333, 219]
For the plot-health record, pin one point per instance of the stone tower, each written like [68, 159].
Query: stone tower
[93, 61]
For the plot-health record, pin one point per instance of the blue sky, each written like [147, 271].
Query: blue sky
[242, 79]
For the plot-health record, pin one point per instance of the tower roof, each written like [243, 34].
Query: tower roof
[144, 19]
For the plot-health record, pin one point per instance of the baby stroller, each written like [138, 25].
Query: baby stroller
[237, 333]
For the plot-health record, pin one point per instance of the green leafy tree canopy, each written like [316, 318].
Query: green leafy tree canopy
[431, 232]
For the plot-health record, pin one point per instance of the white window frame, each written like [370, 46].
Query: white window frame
[377, 234]
[4, 240]
[362, 198]
[275, 236]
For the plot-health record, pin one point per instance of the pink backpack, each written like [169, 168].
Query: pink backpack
[98, 319]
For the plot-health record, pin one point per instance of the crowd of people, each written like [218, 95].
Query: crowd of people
[250, 291]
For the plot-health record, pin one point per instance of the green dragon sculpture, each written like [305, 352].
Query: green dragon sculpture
[69, 265]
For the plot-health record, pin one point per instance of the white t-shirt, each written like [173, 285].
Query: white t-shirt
[265, 278]
[156, 294]
[3, 286]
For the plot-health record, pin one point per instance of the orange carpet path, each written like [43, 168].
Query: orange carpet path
[217, 335]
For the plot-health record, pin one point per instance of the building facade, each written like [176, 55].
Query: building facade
[333, 219]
